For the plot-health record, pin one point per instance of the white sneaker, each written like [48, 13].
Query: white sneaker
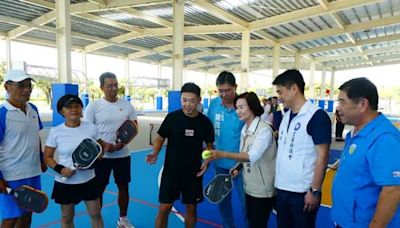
[123, 222]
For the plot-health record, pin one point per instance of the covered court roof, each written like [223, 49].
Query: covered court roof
[336, 34]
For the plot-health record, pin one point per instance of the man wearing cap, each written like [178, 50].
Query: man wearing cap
[21, 160]
[108, 114]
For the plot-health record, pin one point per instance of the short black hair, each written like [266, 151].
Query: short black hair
[289, 78]
[359, 88]
[190, 87]
[105, 75]
[252, 101]
[67, 99]
[226, 77]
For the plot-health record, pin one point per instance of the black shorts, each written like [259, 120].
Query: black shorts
[172, 187]
[75, 193]
[121, 168]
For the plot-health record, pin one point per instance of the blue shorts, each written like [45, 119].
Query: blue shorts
[9, 208]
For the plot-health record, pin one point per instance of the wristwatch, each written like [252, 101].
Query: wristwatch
[316, 192]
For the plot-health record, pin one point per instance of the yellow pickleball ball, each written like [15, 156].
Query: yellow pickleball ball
[206, 154]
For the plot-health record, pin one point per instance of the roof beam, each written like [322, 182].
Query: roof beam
[159, 49]
[85, 7]
[32, 25]
[89, 16]
[201, 30]
[342, 25]
[220, 13]
[26, 24]
[253, 61]
[227, 52]
[363, 61]
[109, 22]
[195, 30]
[223, 14]
[349, 44]
[51, 16]
[308, 12]
[41, 3]
[42, 20]
[100, 2]
[49, 43]
[189, 57]
[366, 66]
[374, 51]
[160, 31]
[338, 31]
[227, 43]
[148, 17]
[210, 44]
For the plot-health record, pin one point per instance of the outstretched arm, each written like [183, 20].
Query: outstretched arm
[204, 165]
[157, 145]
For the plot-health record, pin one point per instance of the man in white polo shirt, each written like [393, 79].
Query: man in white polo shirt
[303, 148]
[108, 114]
[21, 159]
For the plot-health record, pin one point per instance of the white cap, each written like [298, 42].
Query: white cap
[16, 76]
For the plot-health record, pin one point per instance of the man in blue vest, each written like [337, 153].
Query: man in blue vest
[303, 148]
[366, 189]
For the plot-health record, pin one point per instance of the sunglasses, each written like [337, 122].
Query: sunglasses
[21, 85]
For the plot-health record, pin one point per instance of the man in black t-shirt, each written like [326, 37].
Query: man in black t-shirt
[186, 130]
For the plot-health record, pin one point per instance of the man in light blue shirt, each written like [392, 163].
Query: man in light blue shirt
[227, 128]
[366, 189]
[21, 160]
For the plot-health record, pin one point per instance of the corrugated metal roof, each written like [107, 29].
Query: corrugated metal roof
[21, 10]
[5, 27]
[72, 1]
[154, 58]
[117, 50]
[192, 38]
[212, 58]
[148, 42]
[126, 18]
[93, 28]
[370, 28]
[42, 35]
[188, 51]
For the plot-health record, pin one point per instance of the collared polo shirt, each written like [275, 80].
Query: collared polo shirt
[227, 127]
[369, 161]
[19, 142]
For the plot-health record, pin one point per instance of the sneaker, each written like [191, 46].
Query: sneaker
[124, 222]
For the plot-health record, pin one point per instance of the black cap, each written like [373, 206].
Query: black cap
[66, 100]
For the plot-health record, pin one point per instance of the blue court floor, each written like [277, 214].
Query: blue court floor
[143, 205]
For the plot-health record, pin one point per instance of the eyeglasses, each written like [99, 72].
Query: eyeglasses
[21, 85]
[226, 91]
[111, 86]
